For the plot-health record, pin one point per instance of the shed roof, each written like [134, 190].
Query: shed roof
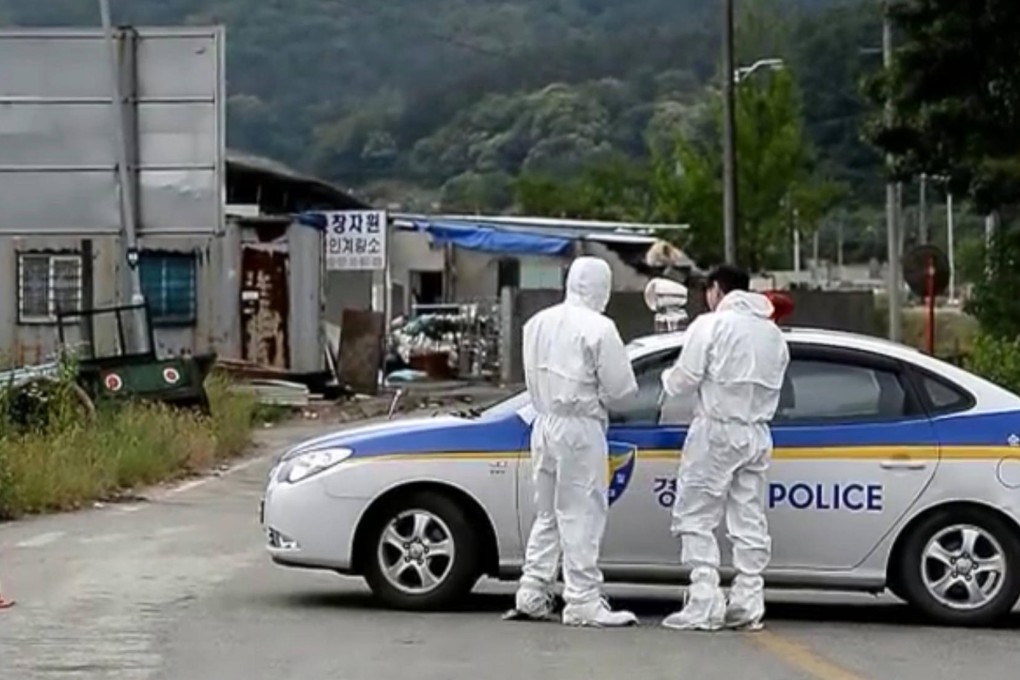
[320, 192]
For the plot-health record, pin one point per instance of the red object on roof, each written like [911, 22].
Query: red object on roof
[782, 304]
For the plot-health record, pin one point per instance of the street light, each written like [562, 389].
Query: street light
[125, 178]
[732, 77]
[892, 203]
[745, 71]
[729, 140]
[739, 76]
[894, 277]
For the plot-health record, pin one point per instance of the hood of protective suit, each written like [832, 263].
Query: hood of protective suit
[590, 283]
[744, 302]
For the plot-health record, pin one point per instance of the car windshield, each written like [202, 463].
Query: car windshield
[511, 404]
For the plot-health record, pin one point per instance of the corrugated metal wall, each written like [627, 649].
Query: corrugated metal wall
[58, 172]
[30, 341]
[57, 130]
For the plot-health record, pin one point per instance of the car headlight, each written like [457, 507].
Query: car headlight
[304, 465]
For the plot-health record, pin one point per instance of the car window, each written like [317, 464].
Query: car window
[943, 397]
[831, 390]
[644, 407]
[521, 401]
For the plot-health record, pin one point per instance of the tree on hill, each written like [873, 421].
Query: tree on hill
[617, 189]
[955, 89]
[682, 183]
[424, 92]
[776, 180]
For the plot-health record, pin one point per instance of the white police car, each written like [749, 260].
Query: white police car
[892, 470]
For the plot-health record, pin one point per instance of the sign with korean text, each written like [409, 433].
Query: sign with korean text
[356, 240]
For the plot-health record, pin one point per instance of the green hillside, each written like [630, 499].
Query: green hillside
[425, 92]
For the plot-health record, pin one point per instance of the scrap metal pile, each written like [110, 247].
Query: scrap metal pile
[448, 342]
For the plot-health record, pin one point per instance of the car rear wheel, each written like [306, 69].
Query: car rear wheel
[422, 554]
[962, 567]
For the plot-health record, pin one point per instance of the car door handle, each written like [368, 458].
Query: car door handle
[903, 464]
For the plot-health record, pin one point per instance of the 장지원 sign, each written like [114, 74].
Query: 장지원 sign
[356, 240]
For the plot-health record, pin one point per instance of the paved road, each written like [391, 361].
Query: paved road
[178, 588]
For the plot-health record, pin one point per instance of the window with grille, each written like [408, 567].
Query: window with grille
[168, 284]
[48, 283]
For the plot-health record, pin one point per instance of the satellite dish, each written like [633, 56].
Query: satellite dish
[915, 270]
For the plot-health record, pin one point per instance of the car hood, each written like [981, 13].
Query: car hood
[445, 433]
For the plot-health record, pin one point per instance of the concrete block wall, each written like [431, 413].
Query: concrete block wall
[834, 310]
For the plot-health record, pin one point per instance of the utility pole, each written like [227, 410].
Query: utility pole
[951, 238]
[895, 275]
[730, 210]
[815, 246]
[922, 216]
[991, 227]
[901, 225]
[129, 230]
[839, 249]
[796, 247]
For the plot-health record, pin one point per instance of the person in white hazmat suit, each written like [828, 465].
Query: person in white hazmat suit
[575, 365]
[734, 360]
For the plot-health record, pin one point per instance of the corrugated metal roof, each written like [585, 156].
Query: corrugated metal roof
[267, 166]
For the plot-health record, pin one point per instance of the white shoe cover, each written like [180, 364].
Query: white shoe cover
[597, 615]
[704, 605]
[746, 607]
[531, 604]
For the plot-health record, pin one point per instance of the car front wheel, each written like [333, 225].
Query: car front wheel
[423, 553]
[962, 567]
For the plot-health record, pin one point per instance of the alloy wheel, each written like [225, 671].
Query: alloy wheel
[963, 567]
[416, 552]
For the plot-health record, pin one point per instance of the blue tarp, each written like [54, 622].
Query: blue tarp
[472, 236]
[487, 239]
[312, 219]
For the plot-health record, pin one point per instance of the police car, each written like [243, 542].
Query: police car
[892, 470]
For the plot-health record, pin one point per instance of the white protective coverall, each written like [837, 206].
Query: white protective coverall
[575, 364]
[734, 359]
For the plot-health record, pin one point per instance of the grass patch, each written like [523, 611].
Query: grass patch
[998, 360]
[955, 331]
[69, 461]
